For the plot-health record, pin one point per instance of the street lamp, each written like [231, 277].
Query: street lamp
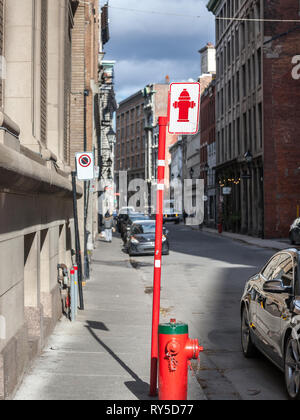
[111, 136]
[248, 157]
[109, 162]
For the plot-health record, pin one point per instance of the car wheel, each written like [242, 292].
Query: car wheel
[292, 369]
[248, 347]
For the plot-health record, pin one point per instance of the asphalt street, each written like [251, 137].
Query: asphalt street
[105, 353]
[202, 283]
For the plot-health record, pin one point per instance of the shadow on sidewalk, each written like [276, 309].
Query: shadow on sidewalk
[138, 387]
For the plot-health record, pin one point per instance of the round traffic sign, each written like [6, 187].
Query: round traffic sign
[85, 161]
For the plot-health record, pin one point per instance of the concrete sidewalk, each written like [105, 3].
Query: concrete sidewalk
[274, 244]
[105, 354]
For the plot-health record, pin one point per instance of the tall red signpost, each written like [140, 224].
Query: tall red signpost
[162, 122]
[186, 99]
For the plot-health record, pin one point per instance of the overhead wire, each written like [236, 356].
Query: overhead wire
[202, 17]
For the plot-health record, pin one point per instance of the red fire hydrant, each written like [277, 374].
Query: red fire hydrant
[184, 104]
[176, 350]
[220, 228]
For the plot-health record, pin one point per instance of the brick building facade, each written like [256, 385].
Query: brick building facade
[256, 115]
[130, 144]
[137, 135]
[84, 100]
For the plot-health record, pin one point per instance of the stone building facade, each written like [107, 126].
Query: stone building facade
[36, 158]
[256, 115]
[208, 153]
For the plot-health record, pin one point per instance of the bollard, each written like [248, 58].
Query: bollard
[176, 350]
[76, 288]
[73, 303]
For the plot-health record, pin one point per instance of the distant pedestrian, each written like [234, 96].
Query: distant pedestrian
[185, 215]
[108, 226]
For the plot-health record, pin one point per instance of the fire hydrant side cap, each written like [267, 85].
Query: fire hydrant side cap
[177, 328]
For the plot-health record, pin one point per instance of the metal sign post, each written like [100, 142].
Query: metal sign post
[77, 241]
[85, 172]
[183, 118]
[162, 122]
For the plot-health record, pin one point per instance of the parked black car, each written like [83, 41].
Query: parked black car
[295, 232]
[141, 239]
[270, 316]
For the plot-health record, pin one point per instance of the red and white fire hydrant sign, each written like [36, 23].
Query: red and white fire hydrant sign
[85, 166]
[183, 108]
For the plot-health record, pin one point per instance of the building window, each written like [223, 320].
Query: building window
[243, 35]
[260, 125]
[244, 80]
[237, 43]
[259, 64]
[245, 131]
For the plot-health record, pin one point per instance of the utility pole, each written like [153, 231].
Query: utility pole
[77, 242]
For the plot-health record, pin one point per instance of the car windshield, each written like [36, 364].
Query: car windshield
[145, 228]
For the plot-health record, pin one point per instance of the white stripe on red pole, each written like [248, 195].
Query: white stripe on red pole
[162, 122]
[161, 163]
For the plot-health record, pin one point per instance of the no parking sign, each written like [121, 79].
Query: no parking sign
[85, 166]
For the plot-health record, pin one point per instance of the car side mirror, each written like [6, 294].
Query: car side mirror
[276, 286]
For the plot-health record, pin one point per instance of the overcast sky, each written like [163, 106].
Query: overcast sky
[147, 47]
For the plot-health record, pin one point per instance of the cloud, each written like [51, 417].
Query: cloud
[128, 21]
[133, 75]
[147, 46]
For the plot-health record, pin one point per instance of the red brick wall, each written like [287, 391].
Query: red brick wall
[91, 58]
[137, 155]
[281, 121]
[207, 127]
[207, 117]
[77, 85]
[85, 47]
[44, 69]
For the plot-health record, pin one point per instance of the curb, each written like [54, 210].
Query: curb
[261, 243]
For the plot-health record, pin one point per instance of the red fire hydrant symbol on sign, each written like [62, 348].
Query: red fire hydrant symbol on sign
[184, 104]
